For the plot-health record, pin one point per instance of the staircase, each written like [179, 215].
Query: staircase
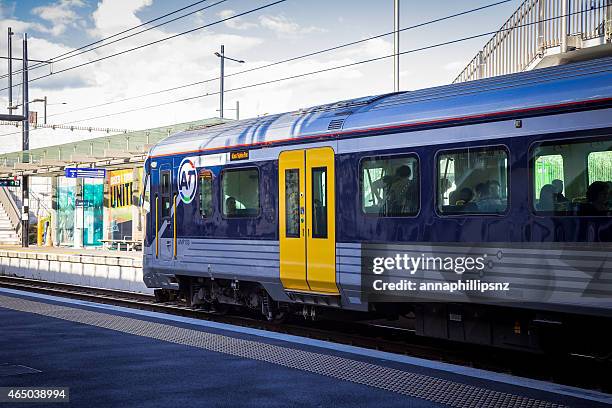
[543, 33]
[8, 236]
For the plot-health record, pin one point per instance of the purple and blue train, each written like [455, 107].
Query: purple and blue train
[504, 182]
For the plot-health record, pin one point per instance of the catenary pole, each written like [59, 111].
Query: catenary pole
[396, 45]
[25, 144]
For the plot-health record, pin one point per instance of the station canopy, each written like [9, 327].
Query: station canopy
[117, 151]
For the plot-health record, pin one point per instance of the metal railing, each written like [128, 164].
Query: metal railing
[11, 209]
[535, 26]
[37, 202]
[38, 208]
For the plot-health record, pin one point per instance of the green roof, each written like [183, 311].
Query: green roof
[50, 160]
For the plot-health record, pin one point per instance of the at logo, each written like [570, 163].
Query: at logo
[187, 181]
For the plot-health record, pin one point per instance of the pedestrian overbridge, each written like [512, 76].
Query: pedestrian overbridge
[543, 33]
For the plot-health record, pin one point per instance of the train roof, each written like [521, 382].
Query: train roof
[561, 86]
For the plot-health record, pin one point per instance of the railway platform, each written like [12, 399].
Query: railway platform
[112, 356]
[120, 270]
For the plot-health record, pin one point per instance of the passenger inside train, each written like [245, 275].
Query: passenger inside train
[230, 207]
[240, 191]
[568, 179]
[390, 186]
[573, 179]
[473, 181]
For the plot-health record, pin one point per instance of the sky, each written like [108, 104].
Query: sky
[281, 31]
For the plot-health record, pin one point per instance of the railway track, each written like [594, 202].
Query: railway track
[570, 369]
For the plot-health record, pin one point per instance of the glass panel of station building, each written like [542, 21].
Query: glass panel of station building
[66, 196]
[93, 211]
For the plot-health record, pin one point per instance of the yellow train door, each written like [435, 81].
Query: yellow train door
[292, 219]
[307, 220]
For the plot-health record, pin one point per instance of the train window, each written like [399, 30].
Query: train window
[206, 180]
[240, 192]
[390, 186]
[292, 203]
[165, 210]
[165, 182]
[600, 166]
[473, 181]
[573, 177]
[145, 201]
[319, 202]
[549, 170]
[166, 204]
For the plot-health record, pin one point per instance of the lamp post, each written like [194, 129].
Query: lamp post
[44, 101]
[222, 57]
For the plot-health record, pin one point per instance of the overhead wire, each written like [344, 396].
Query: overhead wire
[140, 32]
[424, 48]
[157, 41]
[310, 54]
[431, 46]
[120, 33]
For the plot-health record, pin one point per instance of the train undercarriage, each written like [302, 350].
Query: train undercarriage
[497, 326]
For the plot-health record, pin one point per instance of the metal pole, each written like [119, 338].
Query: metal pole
[237, 110]
[541, 26]
[10, 70]
[396, 41]
[25, 220]
[564, 23]
[45, 110]
[221, 81]
[608, 26]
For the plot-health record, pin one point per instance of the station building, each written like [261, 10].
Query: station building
[83, 212]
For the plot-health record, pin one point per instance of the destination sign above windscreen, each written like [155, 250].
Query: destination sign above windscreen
[75, 172]
[239, 155]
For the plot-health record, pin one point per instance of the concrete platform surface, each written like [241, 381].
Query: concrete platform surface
[112, 357]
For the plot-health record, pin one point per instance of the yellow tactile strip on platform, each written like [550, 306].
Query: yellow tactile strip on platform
[402, 382]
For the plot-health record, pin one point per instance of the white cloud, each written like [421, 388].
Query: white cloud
[374, 48]
[454, 66]
[60, 14]
[19, 27]
[113, 16]
[284, 26]
[235, 23]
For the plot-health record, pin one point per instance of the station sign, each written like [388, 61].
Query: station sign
[76, 172]
[79, 202]
[9, 182]
[33, 117]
